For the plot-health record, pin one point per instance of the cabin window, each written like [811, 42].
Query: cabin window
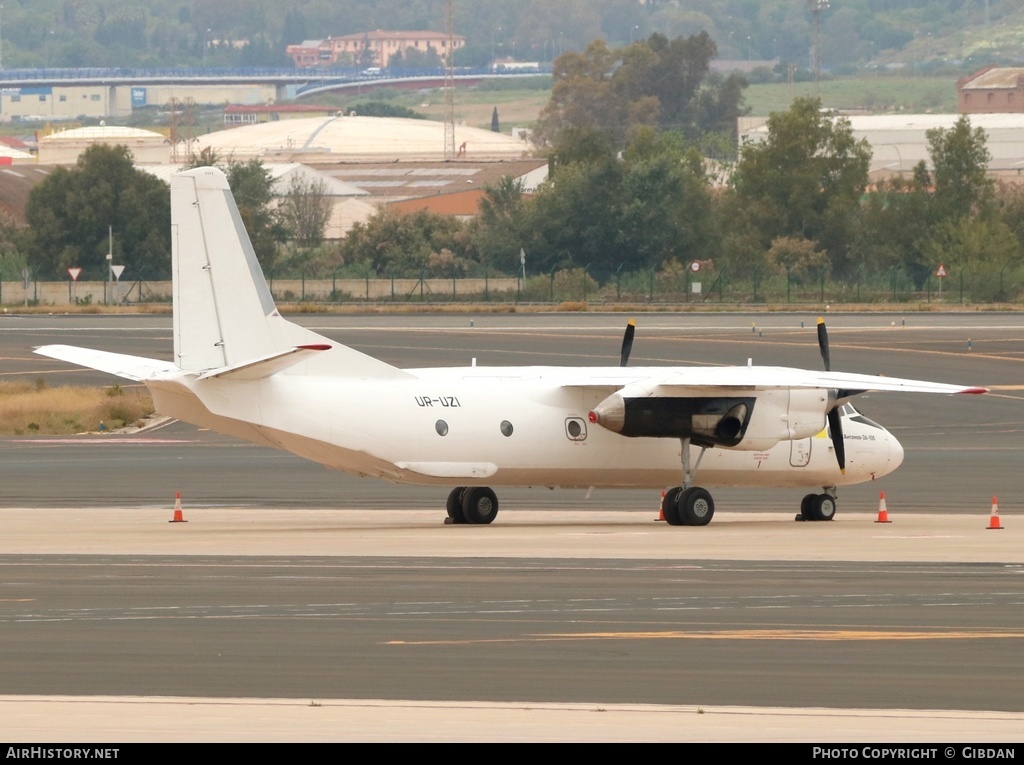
[506, 428]
[441, 427]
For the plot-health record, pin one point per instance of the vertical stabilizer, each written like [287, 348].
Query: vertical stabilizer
[222, 305]
[224, 314]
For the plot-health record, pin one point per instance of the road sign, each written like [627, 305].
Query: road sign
[74, 272]
[941, 272]
[695, 266]
[117, 271]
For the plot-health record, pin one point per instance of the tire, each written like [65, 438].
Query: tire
[824, 507]
[455, 505]
[807, 507]
[479, 505]
[669, 508]
[695, 506]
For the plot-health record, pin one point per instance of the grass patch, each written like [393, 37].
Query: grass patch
[35, 409]
[880, 94]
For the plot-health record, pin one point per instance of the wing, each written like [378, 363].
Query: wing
[740, 407]
[766, 378]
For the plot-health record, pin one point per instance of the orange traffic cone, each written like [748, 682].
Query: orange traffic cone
[883, 514]
[178, 518]
[993, 519]
[661, 508]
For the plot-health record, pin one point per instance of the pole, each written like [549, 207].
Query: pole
[110, 262]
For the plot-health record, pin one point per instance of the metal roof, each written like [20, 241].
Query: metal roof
[336, 138]
[996, 77]
[94, 132]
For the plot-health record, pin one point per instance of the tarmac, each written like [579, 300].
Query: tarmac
[603, 534]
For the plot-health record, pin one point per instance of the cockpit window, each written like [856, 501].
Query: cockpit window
[856, 416]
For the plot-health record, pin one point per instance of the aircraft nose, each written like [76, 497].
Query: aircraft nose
[895, 452]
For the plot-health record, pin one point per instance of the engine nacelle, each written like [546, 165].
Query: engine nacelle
[739, 422]
[714, 421]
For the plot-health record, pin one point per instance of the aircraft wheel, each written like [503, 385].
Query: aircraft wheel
[807, 507]
[823, 508]
[669, 508]
[455, 505]
[695, 506]
[479, 505]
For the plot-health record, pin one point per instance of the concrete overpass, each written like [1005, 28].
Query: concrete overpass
[289, 84]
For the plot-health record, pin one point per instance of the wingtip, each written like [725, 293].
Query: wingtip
[974, 390]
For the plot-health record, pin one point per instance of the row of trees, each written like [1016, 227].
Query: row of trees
[631, 190]
[255, 32]
[797, 205]
[103, 204]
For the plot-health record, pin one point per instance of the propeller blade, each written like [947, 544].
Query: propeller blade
[823, 344]
[627, 342]
[835, 429]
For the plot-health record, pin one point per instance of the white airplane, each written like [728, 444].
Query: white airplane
[240, 368]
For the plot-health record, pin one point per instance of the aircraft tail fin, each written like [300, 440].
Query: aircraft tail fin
[224, 314]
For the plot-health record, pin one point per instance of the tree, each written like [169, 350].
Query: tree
[305, 210]
[581, 96]
[12, 259]
[960, 161]
[407, 244]
[655, 82]
[253, 189]
[606, 211]
[894, 225]
[496, 230]
[72, 213]
[804, 180]
[798, 258]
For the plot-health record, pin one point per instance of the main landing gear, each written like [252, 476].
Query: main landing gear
[818, 507]
[688, 505]
[475, 504]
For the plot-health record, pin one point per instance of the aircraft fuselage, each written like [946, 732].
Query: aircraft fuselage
[501, 427]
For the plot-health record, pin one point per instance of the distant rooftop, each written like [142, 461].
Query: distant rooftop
[993, 77]
[341, 138]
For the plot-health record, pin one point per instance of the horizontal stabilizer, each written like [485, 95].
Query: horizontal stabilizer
[257, 369]
[135, 368]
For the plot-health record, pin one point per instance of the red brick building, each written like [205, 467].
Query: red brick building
[369, 49]
[993, 90]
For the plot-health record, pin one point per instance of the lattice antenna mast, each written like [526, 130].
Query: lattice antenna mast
[449, 84]
[816, 7]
